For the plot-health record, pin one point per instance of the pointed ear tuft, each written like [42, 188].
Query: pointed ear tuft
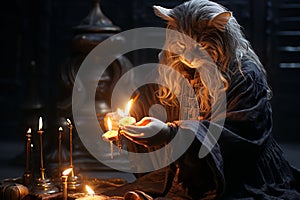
[220, 20]
[163, 13]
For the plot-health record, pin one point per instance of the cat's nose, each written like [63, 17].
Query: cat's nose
[188, 61]
[189, 58]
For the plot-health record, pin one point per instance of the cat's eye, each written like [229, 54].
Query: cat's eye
[201, 46]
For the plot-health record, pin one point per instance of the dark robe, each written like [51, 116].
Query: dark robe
[246, 162]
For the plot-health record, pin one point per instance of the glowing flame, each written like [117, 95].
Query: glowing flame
[29, 131]
[67, 171]
[109, 124]
[40, 123]
[69, 122]
[127, 109]
[89, 190]
[60, 129]
[120, 112]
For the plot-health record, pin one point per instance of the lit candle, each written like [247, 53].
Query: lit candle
[124, 121]
[90, 190]
[60, 131]
[40, 132]
[27, 177]
[91, 195]
[28, 149]
[64, 179]
[69, 123]
[110, 136]
[126, 118]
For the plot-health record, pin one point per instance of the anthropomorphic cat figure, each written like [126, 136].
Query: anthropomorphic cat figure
[246, 162]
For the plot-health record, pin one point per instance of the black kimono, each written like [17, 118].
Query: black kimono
[246, 162]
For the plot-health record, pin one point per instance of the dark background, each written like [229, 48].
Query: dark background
[41, 31]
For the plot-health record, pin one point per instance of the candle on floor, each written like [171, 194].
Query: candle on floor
[91, 195]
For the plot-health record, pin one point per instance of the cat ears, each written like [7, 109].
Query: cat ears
[163, 13]
[220, 20]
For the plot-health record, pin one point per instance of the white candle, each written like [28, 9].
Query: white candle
[110, 136]
[64, 179]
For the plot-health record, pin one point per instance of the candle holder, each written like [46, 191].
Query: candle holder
[74, 182]
[43, 185]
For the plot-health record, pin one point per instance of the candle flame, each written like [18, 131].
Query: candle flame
[67, 171]
[69, 122]
[60, 129]
[40, 123]
[109, 124]
[127, 109]
[29, 131]
[89, 190]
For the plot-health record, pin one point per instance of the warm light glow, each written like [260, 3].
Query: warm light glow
[120, 112]
[60, 129]
[127, 109]
[29, 131]
[67, 171]
[40, 123]
[69, 122]
[89, 190]
[109, 124]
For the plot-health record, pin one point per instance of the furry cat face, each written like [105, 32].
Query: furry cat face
[189, 52]
[205, 28]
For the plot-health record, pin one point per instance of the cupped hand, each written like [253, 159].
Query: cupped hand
[148, 132]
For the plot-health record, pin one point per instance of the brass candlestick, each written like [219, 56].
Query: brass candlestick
[43, 185]
[28, 177]
[60, 132]
[74, 182]
[42, 169]
[64, 180]
[70, 126]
